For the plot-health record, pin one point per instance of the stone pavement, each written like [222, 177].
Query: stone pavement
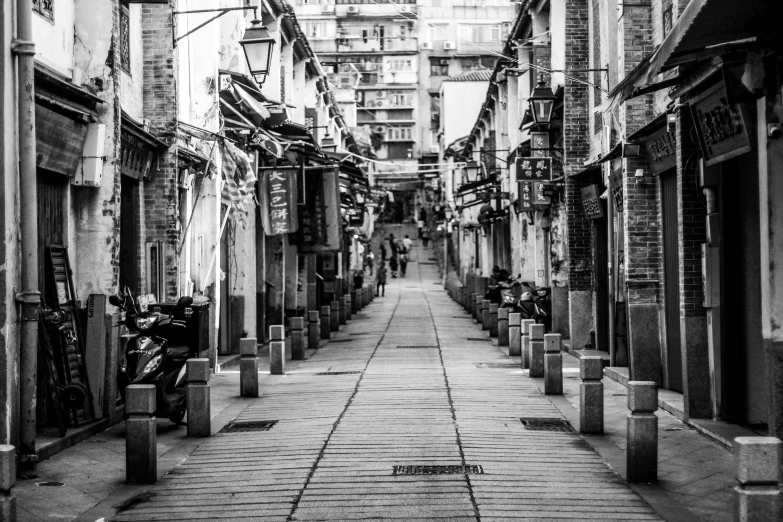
[410, 383]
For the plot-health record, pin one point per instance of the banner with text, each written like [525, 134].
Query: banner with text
[279, 205]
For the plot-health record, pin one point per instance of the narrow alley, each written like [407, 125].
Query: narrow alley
[407, 386]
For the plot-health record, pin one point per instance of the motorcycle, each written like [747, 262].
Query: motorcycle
[536, 303]
[155, 354]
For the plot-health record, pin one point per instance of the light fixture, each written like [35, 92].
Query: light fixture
[471, 171]
[328, 144]
[631, 149]
[542, 102]
[258, 46]
[449, 213]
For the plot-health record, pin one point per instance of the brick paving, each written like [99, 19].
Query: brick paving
[422, 397]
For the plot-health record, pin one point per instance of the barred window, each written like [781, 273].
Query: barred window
[44, 8]
[124, 38]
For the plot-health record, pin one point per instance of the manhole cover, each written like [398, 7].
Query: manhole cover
[539, 424]
[437, 470]
[50, 484]
[417, 346]
[498, 365]
[338, 341]
[240, 427]
[478, 338]
[353, 372]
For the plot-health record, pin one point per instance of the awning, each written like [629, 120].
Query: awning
[590, 169]
[649, 129]
[250, 103]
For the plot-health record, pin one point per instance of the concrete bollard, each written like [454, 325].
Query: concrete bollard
[313, 327]
[326, 328]
[525, 351]
[493, 319]
[334, 318]
[248, 368]
[477, 307]
[7, 482]
[343, 313]
[141, 438]
[591, 395]
[514, 334]
[485, 315]
[757, 470]
[277, 350]
[553, 365]
[199, 413]
[536, 343]
[502, 326]
[355, 301]
[348, 307]
[642, 444]
[297, 339]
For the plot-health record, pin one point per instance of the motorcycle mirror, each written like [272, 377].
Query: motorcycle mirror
[183, 302]
[116, 301]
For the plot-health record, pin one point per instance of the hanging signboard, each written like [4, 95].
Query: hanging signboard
[280, 211]
[320, 213]
[541, 194]
[591, 202]
[534, 169]
[525, 201]
[661, 150]
[617, 184]
[722, 127]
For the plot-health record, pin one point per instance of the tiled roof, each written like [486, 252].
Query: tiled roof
[482, 75]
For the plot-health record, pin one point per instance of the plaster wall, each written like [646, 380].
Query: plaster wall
[131, 90]
[54, 40]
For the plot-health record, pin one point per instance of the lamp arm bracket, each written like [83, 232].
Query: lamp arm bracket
[221, 12]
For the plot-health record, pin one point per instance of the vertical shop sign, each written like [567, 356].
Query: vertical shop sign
[280, 210]
[525, 201]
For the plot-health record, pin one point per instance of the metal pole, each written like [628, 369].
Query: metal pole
[29, 297]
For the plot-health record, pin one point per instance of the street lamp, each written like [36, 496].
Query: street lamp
[258, 46]
[542, 102]
[471, 171]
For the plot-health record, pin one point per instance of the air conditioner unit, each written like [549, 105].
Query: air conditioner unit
[426, 45]
[380, 129]
[380, 94]
[327, 9]
[449, 46]
[353, 9]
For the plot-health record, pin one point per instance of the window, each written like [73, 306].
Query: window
[479, 33]
[439, 67]
[399, 134]
[315, 29]
[400, 65]
[125, 38]
[476, 63]
[439, 33]
[401, 99]
[44, 8]
[667, 17]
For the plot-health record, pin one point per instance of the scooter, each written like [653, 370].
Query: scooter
[155, 354]
[535, 303]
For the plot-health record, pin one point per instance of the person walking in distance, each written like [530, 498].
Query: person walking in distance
[407, 243]
[393, 265]
[370, 260]
[380, 281]
[383, 252]
[420, 224]
[392, 246]
[425, 237]
[403, 261]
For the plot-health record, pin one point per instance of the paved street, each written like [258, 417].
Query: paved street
[410, 382]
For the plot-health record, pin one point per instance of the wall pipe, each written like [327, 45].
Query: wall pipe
[29, 297]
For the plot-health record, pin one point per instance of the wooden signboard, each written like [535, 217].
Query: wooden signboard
[722, 127]
[591, 202]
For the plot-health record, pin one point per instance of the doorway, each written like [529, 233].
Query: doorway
[601, 263]
[129, 234]
[672, 378]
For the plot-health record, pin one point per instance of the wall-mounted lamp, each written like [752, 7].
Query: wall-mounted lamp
[631, 150]
[258, 45]
[542, 103]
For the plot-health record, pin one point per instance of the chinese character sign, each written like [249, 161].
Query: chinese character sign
[525, 201]
[280, 210]
[534, 169]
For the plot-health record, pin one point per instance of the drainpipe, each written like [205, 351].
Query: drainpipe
[29, 297]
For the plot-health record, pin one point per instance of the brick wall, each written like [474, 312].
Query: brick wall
[160, 106]
[576, 147]
[691, 219]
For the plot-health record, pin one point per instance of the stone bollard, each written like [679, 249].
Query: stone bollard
[297, 339]
[313, 332]
[502, 326]
[277, 350]
[355, 300]
[536, 343]
[248, 368]
[525, 351]
[348, 307]
[642, 444]
[591, 395]
[485, 315]
[553, 365]
[7, 482]
[514, 334]
[343, 314]
[199, 413]
[476, 307]
[141, 438]
[493, 319]
[334, 318]
[326, 328]
[757, 468]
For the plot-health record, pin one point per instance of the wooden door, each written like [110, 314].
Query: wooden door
[671, 282]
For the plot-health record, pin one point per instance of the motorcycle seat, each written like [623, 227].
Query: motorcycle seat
[178, 352]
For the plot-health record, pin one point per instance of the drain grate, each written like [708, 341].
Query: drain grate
[543, 424]
[498, 365]
[243, 426]
[417, 346]
[437, 470]
[486, 339]
[352, 372]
